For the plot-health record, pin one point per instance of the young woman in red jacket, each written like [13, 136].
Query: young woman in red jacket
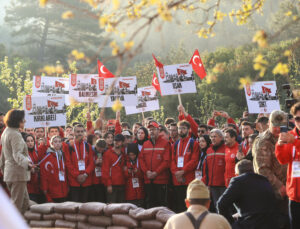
[33, 186]
[134, 190]
[53, 173]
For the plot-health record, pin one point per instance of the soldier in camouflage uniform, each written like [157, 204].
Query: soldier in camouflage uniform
[266, 164]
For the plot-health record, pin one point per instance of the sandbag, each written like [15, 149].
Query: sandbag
[65, 224]
[116, 227]
[67, 207]
[82, 225]
[43, 208]
[31, 202]
[149, 213]
[44, 223]
[32, 215]
[103, 221]
[124, 220]
[75, 217]
[111, 209]
[151, 224]
[92, 208]
[134, 212]
[164, 215]
[53, 216]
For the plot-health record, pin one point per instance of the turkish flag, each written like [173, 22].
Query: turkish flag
[123, 84]
[144, 93]
[52, 103]
[59, 84]
[93, 81]
[160, 67]
[266, 90]
[155, 83]
[197, 64]
[103, 71]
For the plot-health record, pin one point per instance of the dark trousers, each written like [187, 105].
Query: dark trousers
[180, 195]
[38, 198]
[294, 214]
[80, 194]
[156, 195]
[117, 195]
[98, 193]
[215, 193]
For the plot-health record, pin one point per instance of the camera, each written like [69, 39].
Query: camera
[284, 129]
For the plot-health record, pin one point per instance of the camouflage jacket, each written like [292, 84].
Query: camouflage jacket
[265, 162]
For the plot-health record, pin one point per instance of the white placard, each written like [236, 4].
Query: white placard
[84, 88]
[124, 89]
[44, 111]
[261, 97]
[176, 79]
[147, 101]
[50, 86]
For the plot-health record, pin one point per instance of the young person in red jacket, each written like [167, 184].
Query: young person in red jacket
[214, 166]
[155, 161]
[114, 162]
[287, 151]
[80, 166]
[135, 193]
[231, 149]
[99, 192]
[185, 155]
[53, 170]
[33, 186]
[247, 130]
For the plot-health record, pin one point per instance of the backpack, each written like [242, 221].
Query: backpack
[190, 147]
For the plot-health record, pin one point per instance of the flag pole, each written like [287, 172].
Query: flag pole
[179, 99]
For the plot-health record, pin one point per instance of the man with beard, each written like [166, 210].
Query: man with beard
[80, 166]
[185, 155]
[266, 164]
[154, 159]
[113, 171]
[214, 167]
[173, 129]
[247, 130]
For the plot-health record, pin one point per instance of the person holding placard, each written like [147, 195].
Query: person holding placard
[54, 182]
[185, 155]
[80, 166]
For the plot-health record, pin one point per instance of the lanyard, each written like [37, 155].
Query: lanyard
[77, 151]
[58, 165]
[187, 145]
[200, 163]
[137, 163]
[117, 161]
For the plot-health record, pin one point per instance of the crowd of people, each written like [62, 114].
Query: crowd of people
[251, 168]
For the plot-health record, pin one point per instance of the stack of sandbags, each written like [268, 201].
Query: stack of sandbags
[96, 215]
[153, 218]
[35, 217]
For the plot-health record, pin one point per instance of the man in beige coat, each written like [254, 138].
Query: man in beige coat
[197, 215]
[14, 162]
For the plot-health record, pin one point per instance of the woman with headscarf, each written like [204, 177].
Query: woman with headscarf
[141, 137]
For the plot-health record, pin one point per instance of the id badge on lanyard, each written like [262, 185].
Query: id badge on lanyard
[296, 169]
[98, 171]
[135, 183]
[180, 162]
[198, 174]
[61, 175]
[81, 163]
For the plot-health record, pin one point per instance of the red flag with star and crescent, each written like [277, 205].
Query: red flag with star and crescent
[103, 71]
[160, 67]
[155, 83]
[197, 64]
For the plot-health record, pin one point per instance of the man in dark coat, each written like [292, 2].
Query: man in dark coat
[254, 197]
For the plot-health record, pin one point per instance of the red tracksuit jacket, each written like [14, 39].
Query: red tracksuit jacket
[190, 161]
[97, 179]
[50, 182]
[230, 155]
[33, 186]
[214, 166]
[194, 125]
[290, 154]
[113, 168]
[134, 193]
[156, 158]
[72, 163]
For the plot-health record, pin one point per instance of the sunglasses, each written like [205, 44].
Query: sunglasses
[297, 118]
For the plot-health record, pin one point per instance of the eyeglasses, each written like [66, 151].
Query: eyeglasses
[201, 131]
[182, 128]
[297, 118]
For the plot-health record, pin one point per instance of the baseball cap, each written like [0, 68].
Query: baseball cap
[153, 124]
[278, 118]
[197, 190]
[119, 137]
